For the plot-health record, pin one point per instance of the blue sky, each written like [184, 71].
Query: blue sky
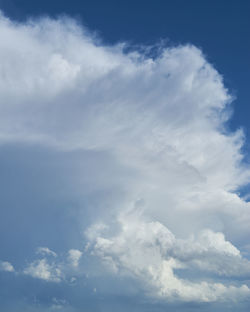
[124, 147]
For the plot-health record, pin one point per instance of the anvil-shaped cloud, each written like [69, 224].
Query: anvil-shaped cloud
[171, 216]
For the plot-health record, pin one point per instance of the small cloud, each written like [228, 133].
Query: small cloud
[6, 266]
[58, 304]
[43, 270]
[72, 280]
[45, 251]
[74, 256]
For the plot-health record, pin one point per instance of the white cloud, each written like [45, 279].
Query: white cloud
[6, 266]
[58, 304]
[150, 252]
[54, 269]
[45, 251]
[43, 270]
[74, 256]
[161, 121]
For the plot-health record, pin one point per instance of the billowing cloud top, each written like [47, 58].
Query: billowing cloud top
[163, 180]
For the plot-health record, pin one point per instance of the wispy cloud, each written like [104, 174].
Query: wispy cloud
[45, 251]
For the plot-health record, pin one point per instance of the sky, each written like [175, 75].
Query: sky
[124, 156]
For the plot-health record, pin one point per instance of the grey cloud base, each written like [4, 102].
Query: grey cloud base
[135, 152]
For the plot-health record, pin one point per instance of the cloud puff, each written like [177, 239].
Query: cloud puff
[74, 256]
[151, 252]
[45, 251]
[43, 270]
[53, 268]
[161, 121]
[6, 266]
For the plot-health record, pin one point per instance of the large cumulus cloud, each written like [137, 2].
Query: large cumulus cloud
[160, 120]
[150, 251]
